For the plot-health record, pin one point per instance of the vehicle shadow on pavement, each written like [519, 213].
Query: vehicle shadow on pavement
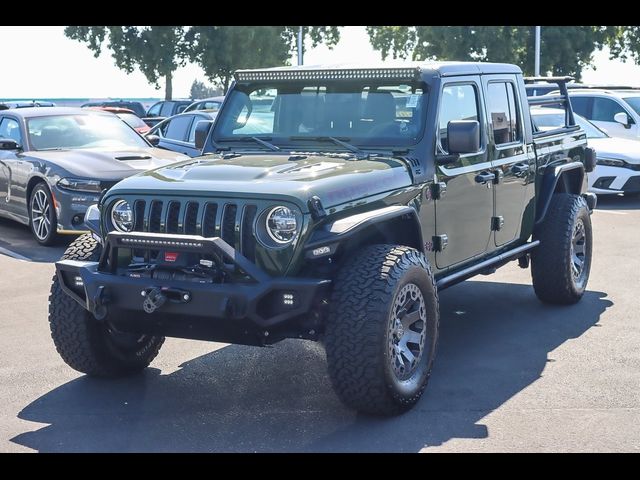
[494, 342]
[16, 240]
[617, 202]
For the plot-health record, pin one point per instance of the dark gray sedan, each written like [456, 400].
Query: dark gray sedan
[54, 162]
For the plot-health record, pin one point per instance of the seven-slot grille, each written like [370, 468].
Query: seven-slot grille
[232, 221]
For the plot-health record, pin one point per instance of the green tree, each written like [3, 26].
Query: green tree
[200, 90]
[156, 50]
[624, 43]
[329, 35]
[564, 50]
[220, 50]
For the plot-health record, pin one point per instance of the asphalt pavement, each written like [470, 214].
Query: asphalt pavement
[511, 374]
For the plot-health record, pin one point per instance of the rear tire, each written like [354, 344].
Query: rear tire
[382, 329]
[86, 344]
[561, 264]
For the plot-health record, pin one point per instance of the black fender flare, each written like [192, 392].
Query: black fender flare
[327, 239]
[550, 181]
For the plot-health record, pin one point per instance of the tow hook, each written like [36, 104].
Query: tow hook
[156, 297]
[100, 299]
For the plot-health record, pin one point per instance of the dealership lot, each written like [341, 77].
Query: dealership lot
[511, 374]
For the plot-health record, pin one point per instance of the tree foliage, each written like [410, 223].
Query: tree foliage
[220, 50]
[624, 43]
[199, 90]
[157, 51]
[564, 50]
[329, 35]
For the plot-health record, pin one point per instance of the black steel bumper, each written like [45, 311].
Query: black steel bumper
[262, 302]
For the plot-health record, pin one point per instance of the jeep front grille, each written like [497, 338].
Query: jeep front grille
[232, 221]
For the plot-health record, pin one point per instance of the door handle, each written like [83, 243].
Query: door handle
[485, 177]
[519, 168]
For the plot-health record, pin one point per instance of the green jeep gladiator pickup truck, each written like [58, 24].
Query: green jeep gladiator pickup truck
[332, 203]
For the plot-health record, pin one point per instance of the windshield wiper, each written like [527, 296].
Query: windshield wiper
[337, 141]
[265, 143]
[262, 142]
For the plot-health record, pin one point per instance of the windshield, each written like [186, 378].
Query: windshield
[132, 120]
[291, 113]
[634, 102]
[553, 120]
[62, 132]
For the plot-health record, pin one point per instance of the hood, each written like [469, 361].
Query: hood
[335, 179]
[109, 164]
[617, 148]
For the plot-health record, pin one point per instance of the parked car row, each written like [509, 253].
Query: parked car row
[54, 162]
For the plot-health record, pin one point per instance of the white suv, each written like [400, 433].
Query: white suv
[614, 110]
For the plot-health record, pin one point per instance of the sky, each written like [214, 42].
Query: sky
[46, 64]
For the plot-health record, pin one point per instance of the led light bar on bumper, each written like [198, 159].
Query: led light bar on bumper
[407, 74]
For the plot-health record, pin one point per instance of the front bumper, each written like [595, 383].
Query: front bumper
[239, 312]
[70, 210]
[608, 180]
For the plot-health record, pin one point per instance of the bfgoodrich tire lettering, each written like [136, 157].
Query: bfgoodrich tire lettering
[561, 264]
[364, 339]
[92, 347]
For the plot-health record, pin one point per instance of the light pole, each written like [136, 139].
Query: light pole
[300, 46]
[537, 58]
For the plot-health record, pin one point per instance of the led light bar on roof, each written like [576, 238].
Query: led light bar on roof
[407, 74]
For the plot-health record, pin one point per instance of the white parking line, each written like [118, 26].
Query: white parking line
[611, 211]
[11, 254]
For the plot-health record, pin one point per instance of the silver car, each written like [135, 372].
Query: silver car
[55, 162]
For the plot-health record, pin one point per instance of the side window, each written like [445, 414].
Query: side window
[178, 127]
[504, 115]
[167, 108]
[459, 102]
[604, 109]
[10, 129]
[580, 105]
[154, 111]
[181, 108]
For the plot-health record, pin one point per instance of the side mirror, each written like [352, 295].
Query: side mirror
[9, 144]
[203, 128]
[623, 118]
[153, 139]
[589, 160]
[463, 136]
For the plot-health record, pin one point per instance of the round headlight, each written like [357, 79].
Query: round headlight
[282, 225]
[122, 216]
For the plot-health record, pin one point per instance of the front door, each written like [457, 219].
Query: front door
[512, 161]
[464, 212]
[603, 111]
[9, 129]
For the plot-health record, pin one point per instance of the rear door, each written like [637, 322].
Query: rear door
[174, 133]
[464, 213]
[513, 162]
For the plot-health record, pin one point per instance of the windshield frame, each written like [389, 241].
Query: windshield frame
[292, 141]
[117, 119]
[635, 108]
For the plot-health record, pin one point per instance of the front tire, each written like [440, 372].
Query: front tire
[382, 329]
[561, 264]
[90, 346]
[42, 216]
